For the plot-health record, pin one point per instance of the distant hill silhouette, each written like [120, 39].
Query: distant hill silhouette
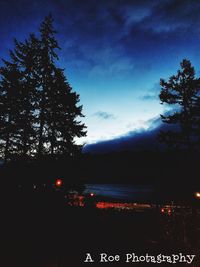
[133, 141]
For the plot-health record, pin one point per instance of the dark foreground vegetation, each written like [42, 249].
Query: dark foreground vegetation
[42, 231]
[169, 169]
[39, 229]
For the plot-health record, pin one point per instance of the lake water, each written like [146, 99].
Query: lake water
[121, 191]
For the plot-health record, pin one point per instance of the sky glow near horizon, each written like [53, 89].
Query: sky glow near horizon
[114, 53]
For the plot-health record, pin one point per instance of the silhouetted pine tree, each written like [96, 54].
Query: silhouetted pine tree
[18, 95]
[11, 86]
[196, 114]
[3, 119]
[58, 110]
[62, 123]
[25, 56]
[38, 109]
[47, 56]
[181, 93]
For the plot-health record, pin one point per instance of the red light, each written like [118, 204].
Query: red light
[59, 182]
[91, 194]
[162, 210]
[169, 211]
[197, 194]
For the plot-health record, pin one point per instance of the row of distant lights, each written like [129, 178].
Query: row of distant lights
[169, 211]
[59, 183]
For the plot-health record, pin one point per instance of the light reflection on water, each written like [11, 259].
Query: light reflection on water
[121, 191]
[121, 206]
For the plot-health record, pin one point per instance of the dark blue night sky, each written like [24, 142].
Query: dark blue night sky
[114, 53]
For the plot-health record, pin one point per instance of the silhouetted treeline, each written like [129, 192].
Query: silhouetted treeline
[167, 168]
[170, 170]
[38, 109]
[182, 95]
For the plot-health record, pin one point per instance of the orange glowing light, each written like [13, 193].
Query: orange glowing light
[197, 194]
[59, 182]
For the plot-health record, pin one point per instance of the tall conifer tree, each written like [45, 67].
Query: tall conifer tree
[181, 93]
[38, 109]
[47, 57]
[58, 110]
[11, 85]
[25, 55]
